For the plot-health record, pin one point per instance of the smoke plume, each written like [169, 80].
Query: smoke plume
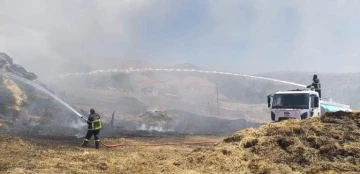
[73, 36]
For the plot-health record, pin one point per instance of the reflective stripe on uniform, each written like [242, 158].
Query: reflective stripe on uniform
[86, 140]
[317, 85]
[95, 125]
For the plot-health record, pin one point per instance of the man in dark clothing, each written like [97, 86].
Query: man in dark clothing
[94, 126]
[317, 85]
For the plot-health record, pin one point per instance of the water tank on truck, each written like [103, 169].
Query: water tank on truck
[330, 106]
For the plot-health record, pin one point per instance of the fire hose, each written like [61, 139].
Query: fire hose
[159, 144]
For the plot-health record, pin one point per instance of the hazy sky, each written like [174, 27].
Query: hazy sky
[247, 36]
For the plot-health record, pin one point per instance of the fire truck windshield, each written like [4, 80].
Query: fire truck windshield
[291, 101]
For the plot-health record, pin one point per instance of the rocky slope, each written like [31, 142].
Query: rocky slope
[7, 64]
[12, 98]
[22, 107]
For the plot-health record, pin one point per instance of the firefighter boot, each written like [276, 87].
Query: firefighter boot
[97, 143]
[84, 143]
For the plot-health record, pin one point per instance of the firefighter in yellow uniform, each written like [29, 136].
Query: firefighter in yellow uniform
[94, 126]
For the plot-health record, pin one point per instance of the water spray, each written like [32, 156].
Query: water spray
[37, 86]
[126, 71]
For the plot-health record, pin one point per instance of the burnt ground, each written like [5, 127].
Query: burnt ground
[173, 123]
[177, 122]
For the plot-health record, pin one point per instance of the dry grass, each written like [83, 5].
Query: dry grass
[324, 144]
[328, 144]
[24, 156]
[19, 96]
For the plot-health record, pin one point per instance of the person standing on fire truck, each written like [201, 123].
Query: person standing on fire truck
[317, 85]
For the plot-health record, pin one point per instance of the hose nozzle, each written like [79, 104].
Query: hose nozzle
[84, 118]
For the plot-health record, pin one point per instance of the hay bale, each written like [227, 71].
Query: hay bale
[329, 143]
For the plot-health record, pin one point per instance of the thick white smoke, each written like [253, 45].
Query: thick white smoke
[250, 36]
[158, 128]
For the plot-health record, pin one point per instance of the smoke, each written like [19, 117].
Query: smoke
[77, 125]
[233, 35]
[56, 37]
[158, 128]
[62, 33]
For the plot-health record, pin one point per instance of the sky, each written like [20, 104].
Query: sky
[246, 36]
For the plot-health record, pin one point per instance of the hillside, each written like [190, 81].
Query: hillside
[200, 90]
[25, 109]
[197, 92]
[327, 144]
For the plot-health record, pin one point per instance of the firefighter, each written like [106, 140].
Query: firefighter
[317, 85]
[94, 126]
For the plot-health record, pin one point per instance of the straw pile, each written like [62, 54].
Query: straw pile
[330, 143]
